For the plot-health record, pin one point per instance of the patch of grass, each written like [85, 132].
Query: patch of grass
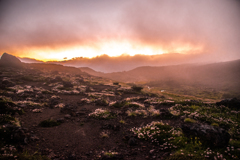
[157, 132]
[6, 119]
[131, 113]
[235, 143]
[145, 112]
[189, 120]
[140, 112]
[180, 156]
[111, 155]
[104, 134]
[215, 124]
[27, 156]
[172, 140]
[122, 121]
[135, 105]
[49, 123]
[102, 102]
[28, 78]
[119, 104]
[102, 114]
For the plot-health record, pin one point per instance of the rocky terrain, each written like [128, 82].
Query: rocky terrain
[56, 112]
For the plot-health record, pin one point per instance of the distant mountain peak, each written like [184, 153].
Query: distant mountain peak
[10, 60]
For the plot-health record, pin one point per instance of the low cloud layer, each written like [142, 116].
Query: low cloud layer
[107, 64]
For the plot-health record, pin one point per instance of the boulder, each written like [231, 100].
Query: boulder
[208, 135]
[232, 103]
[14, 134]
[132, 141]
[67, 84]
[7, 83]
[164, 112]
[10, 61]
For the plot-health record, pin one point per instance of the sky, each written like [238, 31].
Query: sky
[65, 29]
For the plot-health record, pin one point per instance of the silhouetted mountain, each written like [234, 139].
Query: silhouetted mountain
[10, 61]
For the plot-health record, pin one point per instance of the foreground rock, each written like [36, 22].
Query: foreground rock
[212, 136]
[10, 61]
[233, 103]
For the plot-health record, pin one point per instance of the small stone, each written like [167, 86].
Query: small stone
[67, 116]
[61, 120]
[151, 151]
[132, 141]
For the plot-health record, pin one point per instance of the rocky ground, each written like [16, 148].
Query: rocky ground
[52, 114]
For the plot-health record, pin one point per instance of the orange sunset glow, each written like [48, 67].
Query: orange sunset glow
[112, 49]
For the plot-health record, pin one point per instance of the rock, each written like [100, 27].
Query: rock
[34, 138]
[183, 117]
[60, 120]
[8, 83]
[165, 113]
[67, 109]
[67, 116]
[210, 135]
[233, 103]
[151, 151]
[67, 84]
[51, 155]
[80, 113]
[132, 141]
[102, 102]
[55, 72]
[110, 126]
[56, 79]
[72, 157]
[15, 134]
[10, 61]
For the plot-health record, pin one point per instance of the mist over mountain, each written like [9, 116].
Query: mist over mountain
[222, 75]
[107, 64]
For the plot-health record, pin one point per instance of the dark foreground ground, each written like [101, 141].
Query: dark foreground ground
[49, 114]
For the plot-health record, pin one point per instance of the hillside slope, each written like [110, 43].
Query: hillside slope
[223, 75]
